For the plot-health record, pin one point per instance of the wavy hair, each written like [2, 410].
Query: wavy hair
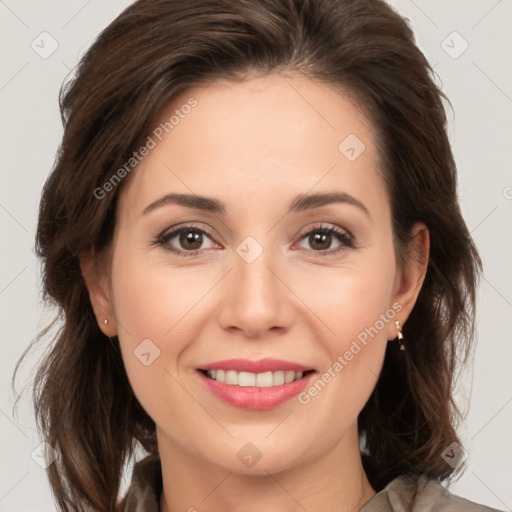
[155, 50]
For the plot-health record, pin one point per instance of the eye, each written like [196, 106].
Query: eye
[186, 240]
[321, 238]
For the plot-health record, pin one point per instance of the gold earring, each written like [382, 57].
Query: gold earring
[400, 335]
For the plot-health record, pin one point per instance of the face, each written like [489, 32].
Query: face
[256, 271]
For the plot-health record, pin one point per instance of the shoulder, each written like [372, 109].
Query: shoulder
[143, 494]
[409, 493]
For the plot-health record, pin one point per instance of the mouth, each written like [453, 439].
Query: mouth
[258, 380]
[255, 385]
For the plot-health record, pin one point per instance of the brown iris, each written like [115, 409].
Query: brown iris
[191, 239]
[319, 238]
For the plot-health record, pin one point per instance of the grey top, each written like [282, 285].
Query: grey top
[403, 494]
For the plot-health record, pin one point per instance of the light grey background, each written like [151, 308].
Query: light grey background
[478, 83]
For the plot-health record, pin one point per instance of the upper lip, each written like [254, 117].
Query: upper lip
[261, 366]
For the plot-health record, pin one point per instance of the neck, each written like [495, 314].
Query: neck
[332, 482]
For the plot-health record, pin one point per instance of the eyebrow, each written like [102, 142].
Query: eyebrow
[299, 204]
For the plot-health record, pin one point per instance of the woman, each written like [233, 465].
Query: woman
[253, 233]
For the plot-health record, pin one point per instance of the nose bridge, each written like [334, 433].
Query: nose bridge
[255, 298]
[255, 282]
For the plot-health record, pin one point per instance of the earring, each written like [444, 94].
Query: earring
[400, 335]
[105, 322]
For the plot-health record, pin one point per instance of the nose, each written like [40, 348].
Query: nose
[256, 299]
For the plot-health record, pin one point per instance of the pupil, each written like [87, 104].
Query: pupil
[319, 238]
[189, 238]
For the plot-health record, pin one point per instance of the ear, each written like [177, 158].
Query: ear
[99, 294]
[409, 280]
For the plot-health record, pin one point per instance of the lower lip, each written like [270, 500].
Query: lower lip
[253, 398]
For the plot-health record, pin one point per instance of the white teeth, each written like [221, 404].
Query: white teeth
[278, 378]
[260, 380]
[289, 377]
[264, 380]
[246, 379]
[231, 377]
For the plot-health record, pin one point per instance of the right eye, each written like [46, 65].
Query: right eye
[185, 241]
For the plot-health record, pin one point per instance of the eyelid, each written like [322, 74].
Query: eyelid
[319, 226]
[187, 225]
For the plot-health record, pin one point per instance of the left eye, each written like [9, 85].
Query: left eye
[321, 238]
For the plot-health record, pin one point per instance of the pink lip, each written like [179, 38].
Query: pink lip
[261, 366]
[253, 398]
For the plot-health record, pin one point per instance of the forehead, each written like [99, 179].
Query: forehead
[274, 134]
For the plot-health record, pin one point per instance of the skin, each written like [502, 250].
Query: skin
[255, 146]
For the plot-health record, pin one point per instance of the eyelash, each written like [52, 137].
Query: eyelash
[344, 237]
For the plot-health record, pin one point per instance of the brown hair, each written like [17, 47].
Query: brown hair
[152, 52]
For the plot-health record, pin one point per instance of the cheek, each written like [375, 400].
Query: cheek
[354, 302]
[147, 306]
[151, 300]
[356, 308]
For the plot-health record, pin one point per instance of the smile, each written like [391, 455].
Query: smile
[259, 380]
[255, 385]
